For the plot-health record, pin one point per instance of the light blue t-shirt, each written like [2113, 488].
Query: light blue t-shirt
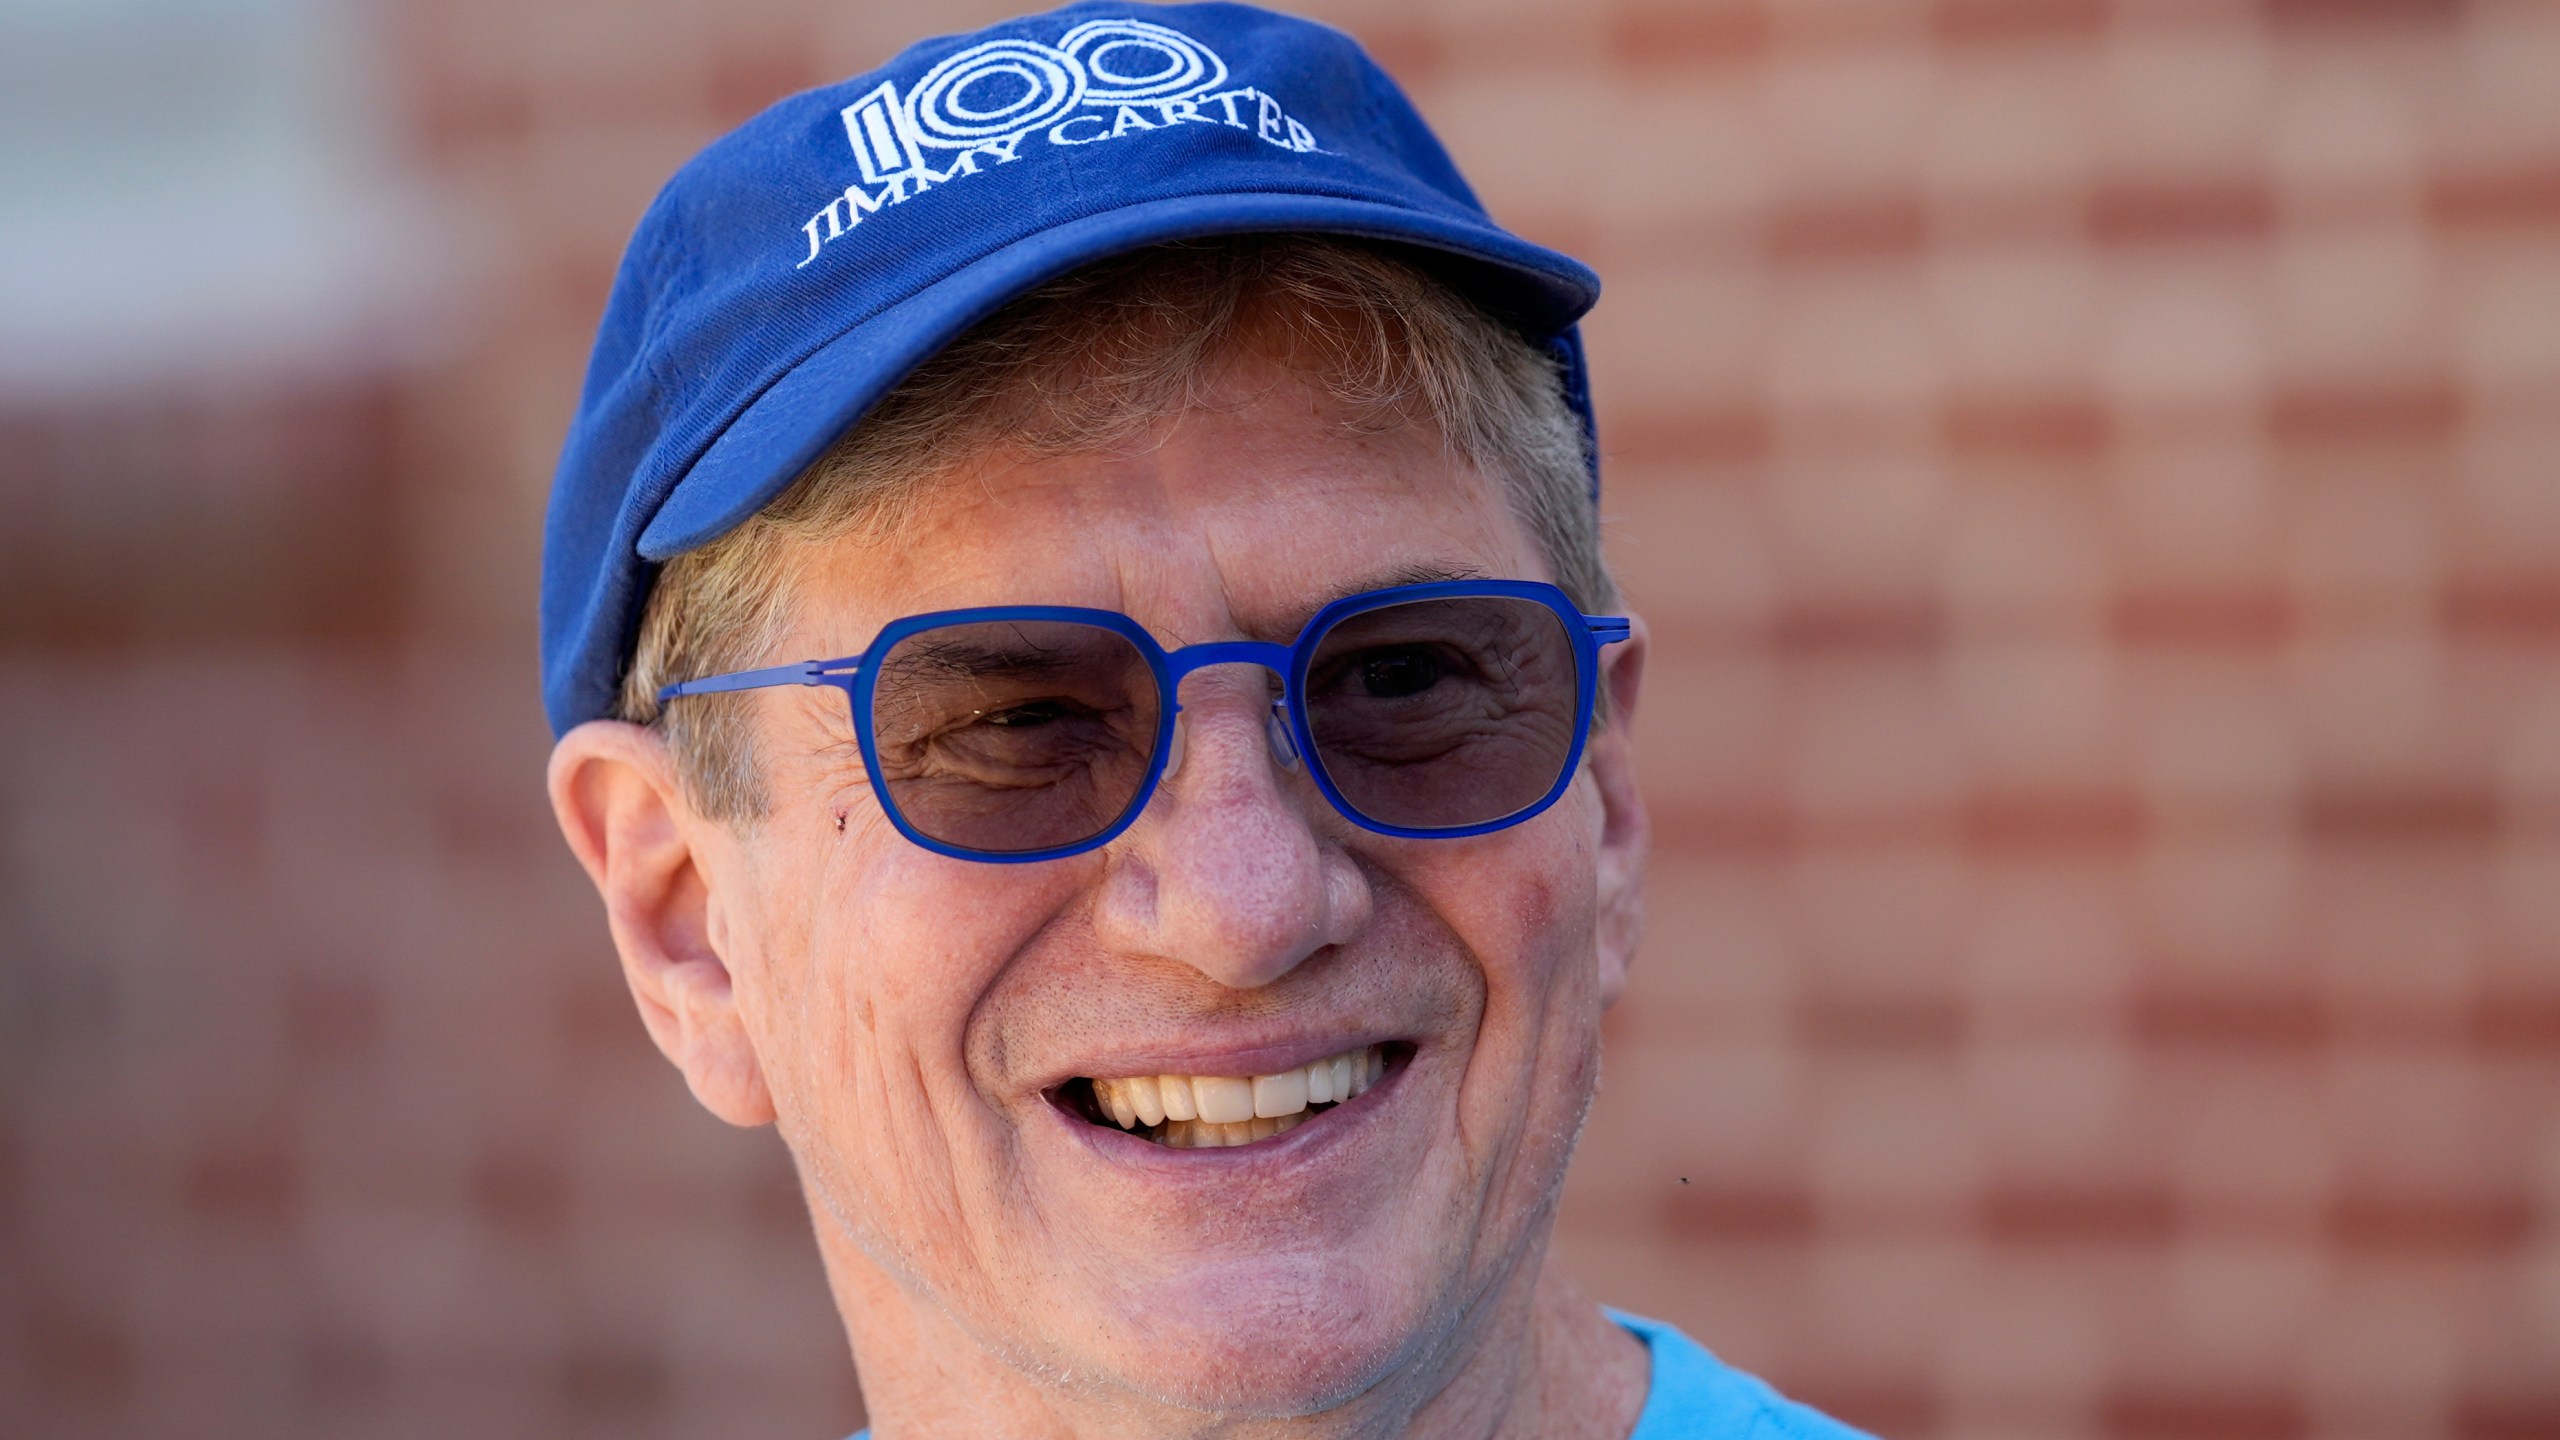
[1695, 1396]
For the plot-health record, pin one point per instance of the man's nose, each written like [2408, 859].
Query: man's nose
[1228, 870]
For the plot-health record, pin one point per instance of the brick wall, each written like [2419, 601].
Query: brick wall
[2093, 470]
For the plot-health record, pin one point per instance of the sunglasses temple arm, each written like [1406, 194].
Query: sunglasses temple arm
[1607, 629]
[807, 672]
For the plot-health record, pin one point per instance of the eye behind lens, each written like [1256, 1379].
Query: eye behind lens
[1014, 736]
[1446, 713]
[1395, 674]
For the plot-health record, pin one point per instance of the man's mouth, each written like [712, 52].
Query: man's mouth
[1199, 1112]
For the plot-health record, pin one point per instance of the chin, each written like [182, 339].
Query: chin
[1269, 1336]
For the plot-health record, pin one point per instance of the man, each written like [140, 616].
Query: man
[1172, 937]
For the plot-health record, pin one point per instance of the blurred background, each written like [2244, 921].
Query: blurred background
[2092, 467]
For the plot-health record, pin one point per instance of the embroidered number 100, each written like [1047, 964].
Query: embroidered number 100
[1103, 80]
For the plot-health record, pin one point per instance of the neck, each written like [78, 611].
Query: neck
[1535, 1359]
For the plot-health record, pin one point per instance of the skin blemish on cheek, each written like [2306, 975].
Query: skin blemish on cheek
[1536, 906]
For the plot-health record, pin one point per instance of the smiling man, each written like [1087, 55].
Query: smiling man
[1087, 685]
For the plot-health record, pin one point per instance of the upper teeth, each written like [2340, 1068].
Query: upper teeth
[1232, 1110]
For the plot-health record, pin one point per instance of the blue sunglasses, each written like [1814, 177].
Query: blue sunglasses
[1029, 732]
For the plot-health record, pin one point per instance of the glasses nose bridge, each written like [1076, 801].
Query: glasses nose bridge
[1181, 664]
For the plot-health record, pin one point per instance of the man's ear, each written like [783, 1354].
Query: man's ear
[1625, 834]
[614, 791]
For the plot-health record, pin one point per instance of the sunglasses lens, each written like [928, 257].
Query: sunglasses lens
[1010, 736]
[1443, 714]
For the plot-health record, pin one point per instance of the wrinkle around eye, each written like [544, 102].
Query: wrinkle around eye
[840, 768]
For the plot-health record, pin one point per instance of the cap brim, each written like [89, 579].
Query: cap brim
[805, 410]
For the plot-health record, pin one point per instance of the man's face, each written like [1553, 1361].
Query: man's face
[919, 1020]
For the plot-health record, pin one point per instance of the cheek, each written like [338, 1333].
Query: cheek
[1526, 906]
[875, 954]
[1529, 922]
[1526, 915]
[863, 1022]
[1533, 906]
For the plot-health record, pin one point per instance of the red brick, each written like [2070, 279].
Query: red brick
[2087, 469]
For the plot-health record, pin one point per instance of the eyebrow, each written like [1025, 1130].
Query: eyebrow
[953, 655]
[1413, 573]
[1423, 572]
[983, 657]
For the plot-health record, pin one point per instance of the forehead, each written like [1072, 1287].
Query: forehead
[1240, 514]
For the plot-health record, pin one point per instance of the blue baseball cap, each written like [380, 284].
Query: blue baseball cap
[794, 272]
